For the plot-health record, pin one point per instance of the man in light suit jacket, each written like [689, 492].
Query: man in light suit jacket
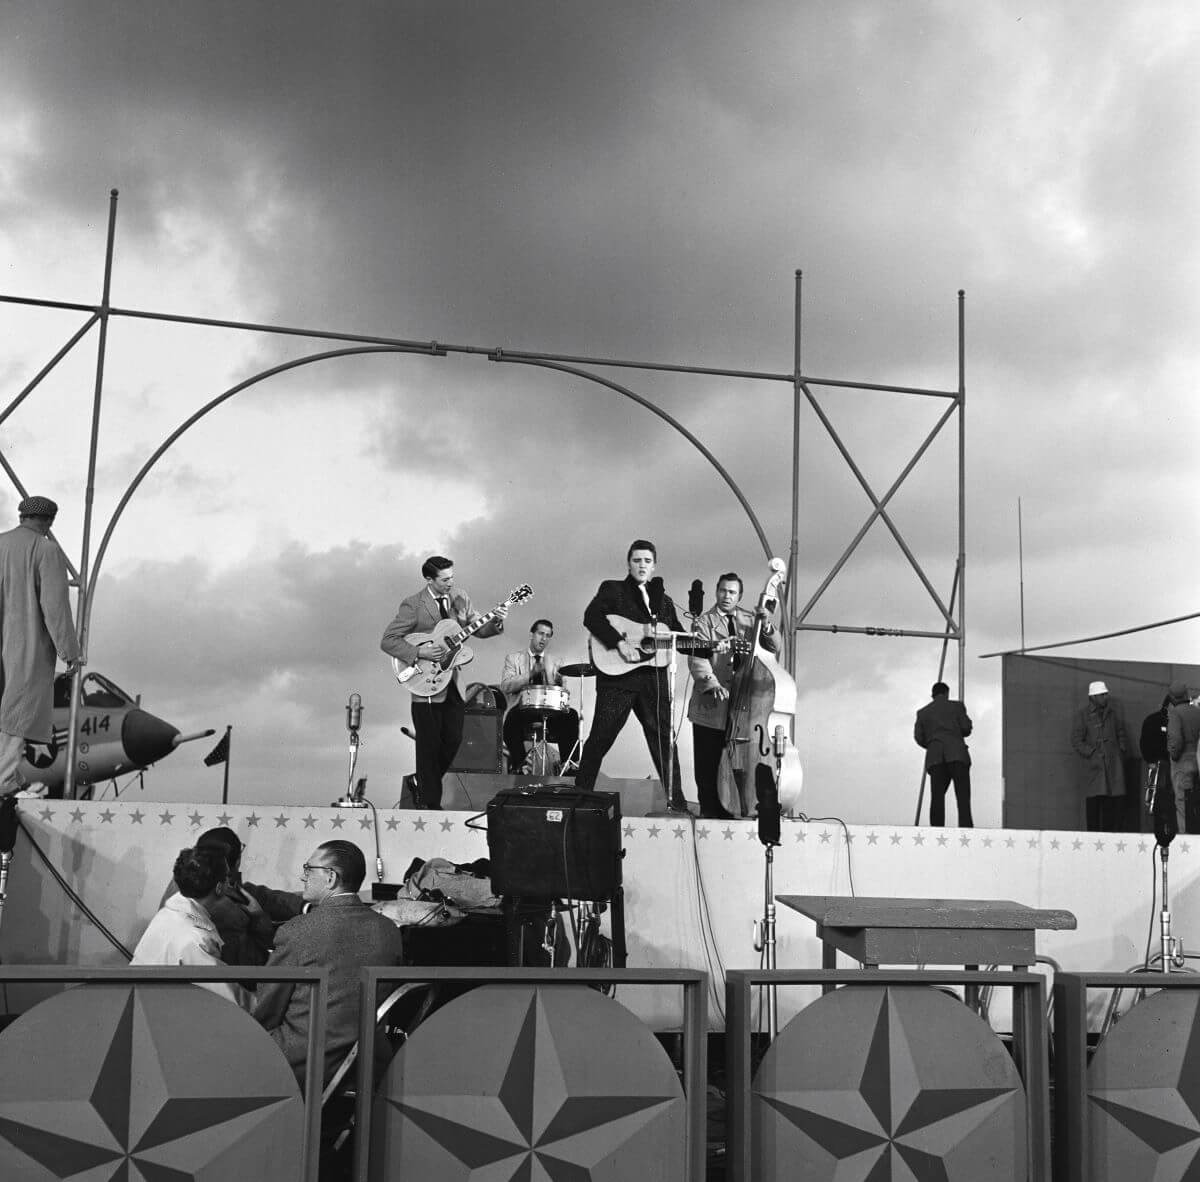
[708, 707]
[437, 720]
[941, 728]
[535, 665]
[343, 934]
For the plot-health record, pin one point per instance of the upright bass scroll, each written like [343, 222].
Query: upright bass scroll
[762, 713]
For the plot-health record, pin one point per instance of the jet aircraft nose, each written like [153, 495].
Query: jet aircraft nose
[146, 739]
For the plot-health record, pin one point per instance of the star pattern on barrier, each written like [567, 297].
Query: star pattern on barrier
[1077, 844]
[195, 819]
[137, 816]
[1032, 843]
[1055, 844]
[166, 817]
[896, 839]
[364, 822]
[872, 839]
[825, 836]
[751, 833]
[338, 822]
[919, 839]
[964, 840]
[1141, 847]
[1183, 845]
[252, 820]
[1010, 842]
[654, 831]
[393, 823]
[419, 823]
[987, 843]
[77, 816]
[1164, 1118]
[447, 825]
[628, 830]
[1099, 845]
[727, 833]
[891, 1113]
[281, 821]
[310, 822]
[106, 817]
[224, 819]
[532, 1118]
[701, 832]
[942, 839]
[136, 1118]
[679, 832]
[47, 814]
[1121, 847]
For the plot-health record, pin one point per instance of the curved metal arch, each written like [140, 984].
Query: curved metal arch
[500, 355]
[296, 363]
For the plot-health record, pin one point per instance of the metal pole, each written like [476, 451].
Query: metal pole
[228, 761]
[790, 637]
[81, 610]
[1021, 570]
[962, 495]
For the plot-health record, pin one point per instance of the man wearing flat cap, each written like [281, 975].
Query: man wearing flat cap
[1098, 737]
[1183, 731]
[35, 628]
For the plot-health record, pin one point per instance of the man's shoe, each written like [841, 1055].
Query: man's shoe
[720, 813]
[679, 806]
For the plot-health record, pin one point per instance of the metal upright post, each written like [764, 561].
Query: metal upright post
[790, 602]
[81, 611]
[962, 495]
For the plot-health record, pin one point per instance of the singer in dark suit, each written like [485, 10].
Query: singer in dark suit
[645, 691]
[712, 677]
[340, 932]
[941, 728]
[437, 720]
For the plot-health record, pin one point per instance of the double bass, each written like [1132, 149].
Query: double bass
[759, 751]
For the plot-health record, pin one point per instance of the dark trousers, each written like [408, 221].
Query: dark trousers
[644, 692]
[940, 777]
[708, 746]
[1106, 814]
[438, 727]
[562, 729]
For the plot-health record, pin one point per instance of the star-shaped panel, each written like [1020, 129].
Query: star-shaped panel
[512, 1083]
[888, 1084]
[1144, 1093]
[122, 1083]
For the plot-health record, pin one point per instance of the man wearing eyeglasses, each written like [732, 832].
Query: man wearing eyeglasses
[338, 931]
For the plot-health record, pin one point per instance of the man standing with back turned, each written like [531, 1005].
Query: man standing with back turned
[940, 728]
[35, 626]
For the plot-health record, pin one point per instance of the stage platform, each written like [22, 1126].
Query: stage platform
[692, 888]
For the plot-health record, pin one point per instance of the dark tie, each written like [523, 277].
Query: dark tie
[537, 675]
[443, 607]
[731, 622]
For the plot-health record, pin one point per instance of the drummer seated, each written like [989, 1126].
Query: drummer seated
[526, 671]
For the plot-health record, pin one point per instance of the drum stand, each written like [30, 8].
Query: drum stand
[576, 752]
[539, 752]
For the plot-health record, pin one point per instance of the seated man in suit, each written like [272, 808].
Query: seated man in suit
[182, 931]
[341, 932]
[532, 667]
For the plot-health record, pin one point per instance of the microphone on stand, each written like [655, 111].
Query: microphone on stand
[354, 712]
[696, 598]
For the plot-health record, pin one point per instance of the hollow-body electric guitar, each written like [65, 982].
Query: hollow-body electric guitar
[427, 677]
[655, 647]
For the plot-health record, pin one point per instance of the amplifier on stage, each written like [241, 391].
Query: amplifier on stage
[555, 843]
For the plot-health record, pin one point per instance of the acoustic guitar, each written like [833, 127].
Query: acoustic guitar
[654, 645]
[427, 677]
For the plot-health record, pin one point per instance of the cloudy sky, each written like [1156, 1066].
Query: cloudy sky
[625, 180]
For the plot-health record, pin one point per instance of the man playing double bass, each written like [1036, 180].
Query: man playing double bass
[712, 679]
[644, 689]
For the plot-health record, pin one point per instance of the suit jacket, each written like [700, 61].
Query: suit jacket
[621, 597]
[1183, 731]
[345, 935]
[709, 672]
[940, 728]
[420, 613]
[517, 671]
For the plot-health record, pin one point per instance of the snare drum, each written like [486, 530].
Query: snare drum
[545, 699]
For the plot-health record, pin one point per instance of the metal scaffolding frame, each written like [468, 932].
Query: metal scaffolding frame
[86, 574]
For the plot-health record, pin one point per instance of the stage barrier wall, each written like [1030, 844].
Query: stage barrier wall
[683, 879]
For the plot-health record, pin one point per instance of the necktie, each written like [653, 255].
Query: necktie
[443, 607]
[537, 675]
[731, 623]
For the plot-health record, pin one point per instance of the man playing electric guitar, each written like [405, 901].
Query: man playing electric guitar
[644, 690]
[438, 718]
